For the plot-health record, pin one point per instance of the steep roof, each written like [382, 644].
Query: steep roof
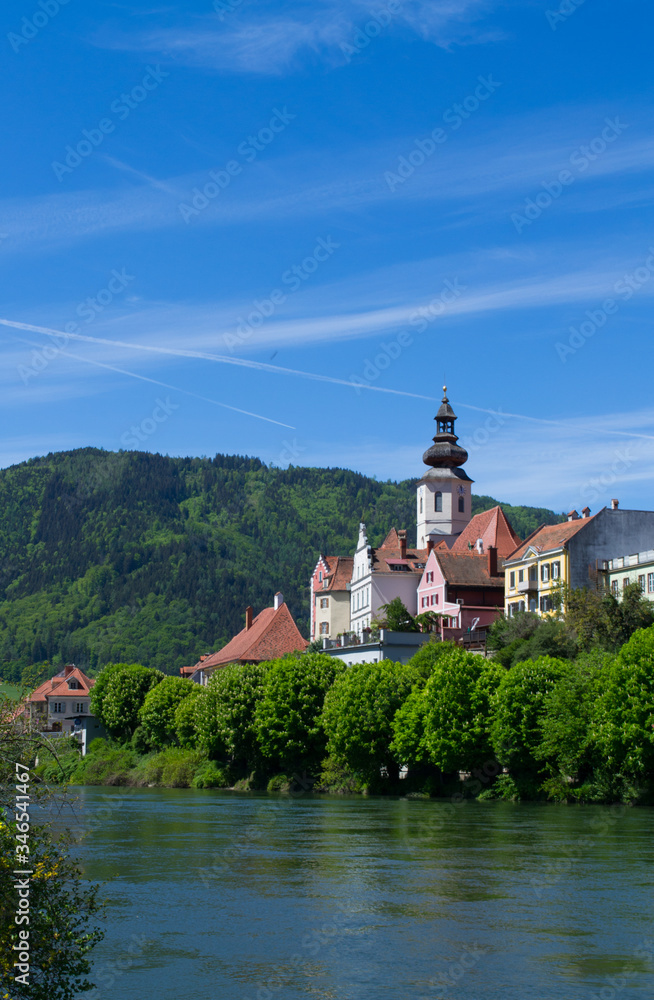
[549, 537]
[466, 569]
[389, 554]
[340, 573]
[493, 527]
[273, 633]
[57, 687]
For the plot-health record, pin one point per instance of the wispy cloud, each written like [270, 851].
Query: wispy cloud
[260, 39]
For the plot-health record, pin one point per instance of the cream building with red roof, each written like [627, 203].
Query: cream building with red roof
[330, 597]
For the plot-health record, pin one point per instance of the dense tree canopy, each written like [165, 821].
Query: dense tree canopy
[121, 700]
[225, 718]
[158, 711]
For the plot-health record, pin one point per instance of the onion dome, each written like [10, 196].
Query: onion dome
[445, 453]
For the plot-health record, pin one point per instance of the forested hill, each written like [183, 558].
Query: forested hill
[143, 558]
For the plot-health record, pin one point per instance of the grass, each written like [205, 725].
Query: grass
[9, 691]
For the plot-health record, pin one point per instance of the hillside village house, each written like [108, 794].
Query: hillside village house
[272, 634]
[636, 568]
[572, 554]
[330, 596]
[62, 705]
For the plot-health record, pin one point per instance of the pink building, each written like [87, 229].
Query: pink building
[467, 588]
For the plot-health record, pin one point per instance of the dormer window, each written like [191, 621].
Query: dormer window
[73, 684]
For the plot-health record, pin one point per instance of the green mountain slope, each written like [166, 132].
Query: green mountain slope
[137, 557]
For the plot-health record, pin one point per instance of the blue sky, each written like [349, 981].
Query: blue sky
[237, 210]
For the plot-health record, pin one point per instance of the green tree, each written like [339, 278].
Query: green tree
[288, 716]
[64, 908]
[157, 714]
[518, 711]
[121, 700]
[396, 618]
[225, 718]
[186, 717]
[448, 721]
[358, 716]
[528, 636]
[99, 689]
[624, 715]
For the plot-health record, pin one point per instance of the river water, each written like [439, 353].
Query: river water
[225, 896]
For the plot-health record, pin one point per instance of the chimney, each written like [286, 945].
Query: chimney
[492, 560]
[573, 515]
[431, 541]
[68, 669]
[615, 504]
[402, 536]
[279, 600]
[480, 546]
[248, 618]
[585, 512]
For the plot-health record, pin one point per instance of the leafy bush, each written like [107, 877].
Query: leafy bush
[225, 717]
[157, 714]
[122, 693]
[211, 775]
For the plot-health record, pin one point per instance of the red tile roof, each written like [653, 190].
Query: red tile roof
[58, 687]
[390, 552]
[549, 536]
[467, 569]
[340, 573]
[273, 633]
[494, 530]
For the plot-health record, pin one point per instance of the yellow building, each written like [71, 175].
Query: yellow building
[545, 561]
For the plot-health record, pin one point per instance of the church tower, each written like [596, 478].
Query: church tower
[445, 492]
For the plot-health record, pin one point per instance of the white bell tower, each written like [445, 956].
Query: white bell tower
[444, 494]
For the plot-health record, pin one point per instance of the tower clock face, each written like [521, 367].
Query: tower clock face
[462, 490]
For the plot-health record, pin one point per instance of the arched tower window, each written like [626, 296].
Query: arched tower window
[438, 502]
[462, 505]
[421, 505]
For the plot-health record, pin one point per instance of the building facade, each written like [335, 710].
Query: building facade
[636, 568]
[382, 574]
[465, 588]
[330, 597]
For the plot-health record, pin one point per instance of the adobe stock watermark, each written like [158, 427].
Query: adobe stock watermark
[420, 319]
[122, 107]
[371, 29]
[293, 277]
[597, 487]
[138, 433]
[625, 288]
[580, 159]
[565, 10]
[225, 7]
[248, 150]
[482, 435]
[644, 953]
[87, 310]
[454, 118]
[39, 19]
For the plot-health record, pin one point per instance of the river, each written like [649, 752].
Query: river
[225, 896]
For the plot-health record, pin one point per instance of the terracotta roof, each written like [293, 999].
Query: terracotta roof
[467, 569]
[549, 536]
[493, 528]
[187, 671]
[273, 633]
[390, 552]
[57, 687]
[340, 573]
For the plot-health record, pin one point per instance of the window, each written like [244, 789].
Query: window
[324, 628]
[625, 582]
[430, 577]
[521, 576]
[556, 570]
[533, 574]
[512, 581]
[641, 583]
[615, 588]
[320, 577]
[545, 572]
[434, 598]
[438, 502]
[80, 708]
[424, 602]
[59, 707]
[462, 505]
[650, 583]
[546, 603]
[73, 684]
[421, 505]
[324, 602]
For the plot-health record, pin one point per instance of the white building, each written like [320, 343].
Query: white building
[444, 496]
[637, 568]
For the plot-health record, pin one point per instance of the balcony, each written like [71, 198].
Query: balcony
[526, 586]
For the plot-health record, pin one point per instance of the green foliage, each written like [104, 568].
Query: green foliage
[211, 775]
[338, 779]
[288, 716]
[186, 717]
[396, 618]
[225, 718]
[624, 712]
[528, 636]
[120, 700]
[427, 656]
[157, 714]
[108, 764]
[600, 621]
[518, 705]
[146, 558]
[358, 716]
